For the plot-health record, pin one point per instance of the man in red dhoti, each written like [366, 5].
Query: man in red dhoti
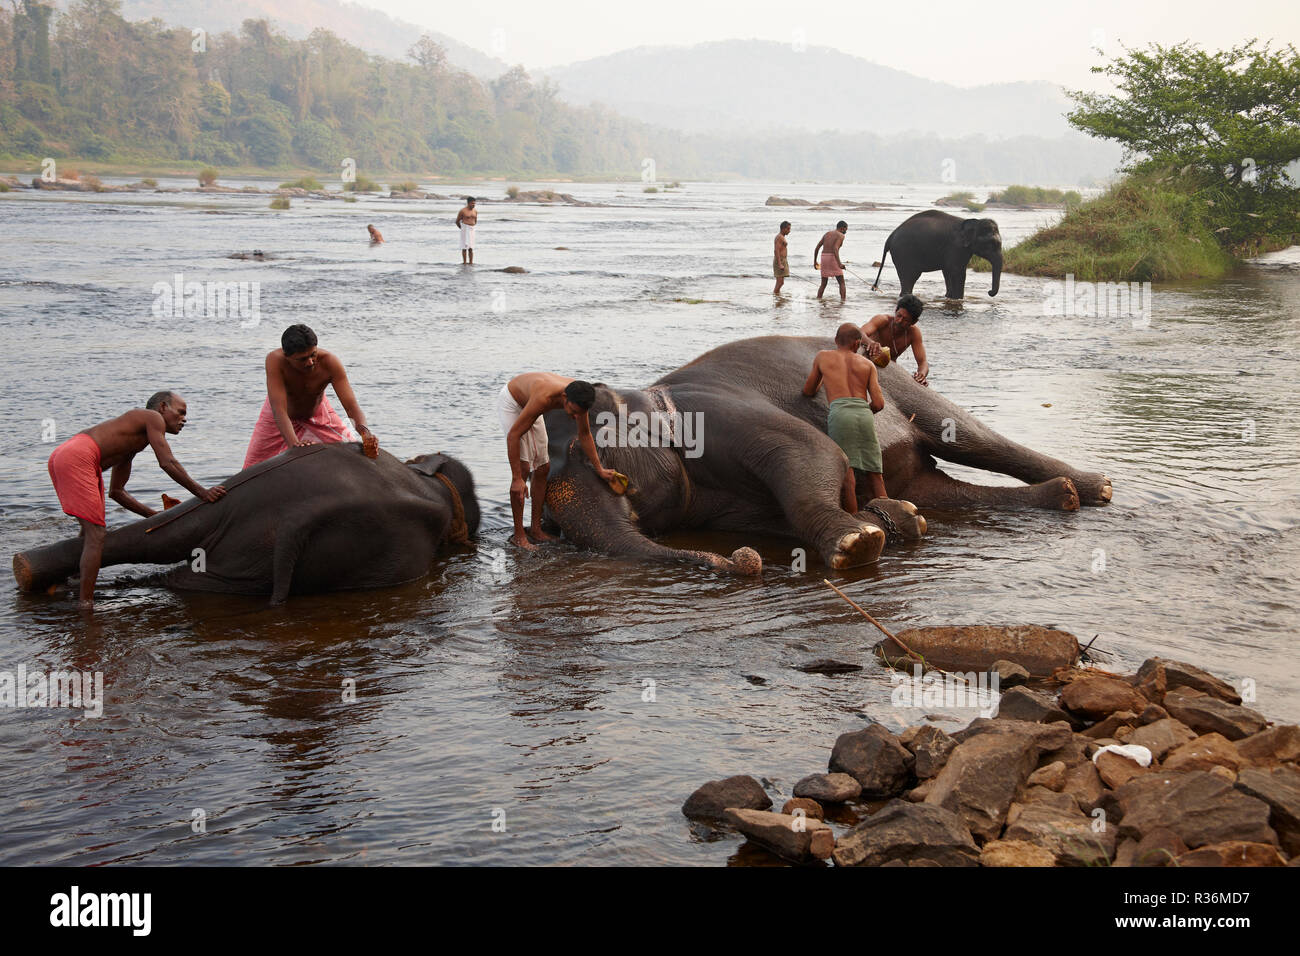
[296, 411]
[76, 468]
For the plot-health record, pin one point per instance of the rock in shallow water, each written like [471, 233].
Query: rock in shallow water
[711, 801]
[908, 833]
[828, 787]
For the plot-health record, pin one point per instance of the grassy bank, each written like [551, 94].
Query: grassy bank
[1158, 225]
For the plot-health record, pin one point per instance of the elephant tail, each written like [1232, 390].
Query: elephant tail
[875, 286]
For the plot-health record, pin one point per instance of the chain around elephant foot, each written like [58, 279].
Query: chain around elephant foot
[899, 519]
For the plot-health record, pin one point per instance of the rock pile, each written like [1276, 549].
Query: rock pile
[1049, 781]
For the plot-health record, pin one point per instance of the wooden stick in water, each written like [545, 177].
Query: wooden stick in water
[912, 654]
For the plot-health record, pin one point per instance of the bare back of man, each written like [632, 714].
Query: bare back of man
[853, 395]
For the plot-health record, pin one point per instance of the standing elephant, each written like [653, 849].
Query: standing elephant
[934, 240]
[314, 518]
[740, 448]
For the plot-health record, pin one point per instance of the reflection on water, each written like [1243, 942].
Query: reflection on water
[583, 697]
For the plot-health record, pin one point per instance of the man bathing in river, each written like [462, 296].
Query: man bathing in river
[466, 220]
[830, 263]
[781, 257]
[376, 237]
[296, 411]
[853, 391]
[899, 333]
[76, 468]
[522, 403]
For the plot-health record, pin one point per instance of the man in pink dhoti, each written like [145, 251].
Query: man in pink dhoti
[830, 263]
[296, 411]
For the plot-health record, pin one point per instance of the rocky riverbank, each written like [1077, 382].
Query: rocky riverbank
[1164, 767]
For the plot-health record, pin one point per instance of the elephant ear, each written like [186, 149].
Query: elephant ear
[968, 231]
[427, 465]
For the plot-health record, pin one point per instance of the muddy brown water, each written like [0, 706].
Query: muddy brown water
[574, 698]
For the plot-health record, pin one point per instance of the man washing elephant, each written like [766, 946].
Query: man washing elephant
[520, 406]
[854, 396]
[296, 411]
[898, 333]
[76, 467]
[826, 256]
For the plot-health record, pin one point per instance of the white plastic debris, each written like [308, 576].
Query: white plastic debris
[1135, 752]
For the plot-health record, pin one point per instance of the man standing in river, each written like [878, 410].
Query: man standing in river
[781, 257]
[520, 406]
[297, 411]
[830, 262]
[899, 333]
[466, 220]
[854, 394]
[76, 467]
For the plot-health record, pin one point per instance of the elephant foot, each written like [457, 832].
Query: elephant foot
[1060, 494]
[908, 522]
[857, 548]
[1093, 489]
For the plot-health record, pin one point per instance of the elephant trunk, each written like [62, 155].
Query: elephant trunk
[42, 568]
[995, 260]
[597, 519]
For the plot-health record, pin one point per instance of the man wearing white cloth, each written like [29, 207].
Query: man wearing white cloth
[467, 219]
[520, 406]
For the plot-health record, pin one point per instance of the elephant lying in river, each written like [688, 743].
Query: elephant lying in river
[315, 518]
[762, 461]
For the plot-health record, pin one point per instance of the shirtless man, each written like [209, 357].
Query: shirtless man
[781, 257]
[853, 391]
[899, 333]
[376, 237]
[520, 406]
[76, 468]
[466, 220]
[830, 263]
[296, 411]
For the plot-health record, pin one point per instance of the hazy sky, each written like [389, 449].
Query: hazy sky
[957, 42]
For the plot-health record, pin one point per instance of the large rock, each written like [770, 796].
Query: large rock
[711, 801]
[1015, 853]
[1272, 745]
[828, 787]
[1096, 697]
[1084, 784]
[981, 778]
[1162, 736]
[1234, 853]
[930, 746]
[1280, 789]
[1069, 835]
[1204, 753]
[797, 839]
[1179, 674]
[1046, 737]
[1198, 806]
[1116, 725]
[875, 759]
[910, 833]
[1209, 715]
[1021, 703]
[1051, 776]
[964, 648]
[811, 808]
[1117, 769]
[1160, 847]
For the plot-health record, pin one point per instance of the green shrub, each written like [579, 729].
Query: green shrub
[1030, 195]
[280, 202]
[404, 187]
[151, 183]
[307, 182]
[651, 189]
[362, 185]
[207, 176]
[512, 192]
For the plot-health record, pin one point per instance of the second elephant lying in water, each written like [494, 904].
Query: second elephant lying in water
[752, 455]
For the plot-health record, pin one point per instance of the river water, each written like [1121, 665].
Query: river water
[559, 707]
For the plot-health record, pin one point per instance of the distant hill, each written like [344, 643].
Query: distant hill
[372, 30]
[752, 86]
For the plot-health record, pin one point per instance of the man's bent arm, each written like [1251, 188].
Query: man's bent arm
[167, 461]
[347, 398]
[589, 444]
[279, 400]
[873, 389]
[117, 491]
[814, 381]
[922, 362]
